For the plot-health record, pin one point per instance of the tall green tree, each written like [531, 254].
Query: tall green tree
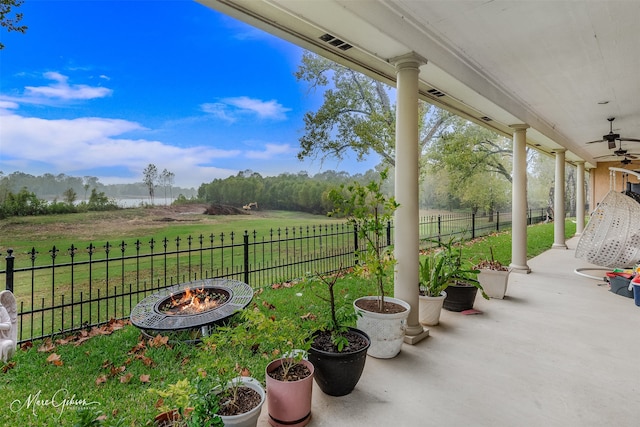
[357, 115]
[476, 165]
[8, 22]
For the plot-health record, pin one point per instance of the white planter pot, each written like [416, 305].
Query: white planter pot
[248, 419]
[430, 309]
[385, 330]
[494, 282]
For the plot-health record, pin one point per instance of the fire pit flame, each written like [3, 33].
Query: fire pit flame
[193, 301]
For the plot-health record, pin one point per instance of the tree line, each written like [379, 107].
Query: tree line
[58, 187]
[293, 192]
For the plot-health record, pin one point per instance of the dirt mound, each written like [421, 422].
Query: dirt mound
[224, 210]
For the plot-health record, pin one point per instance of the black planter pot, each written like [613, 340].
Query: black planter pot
[460, 297]
[338, 373]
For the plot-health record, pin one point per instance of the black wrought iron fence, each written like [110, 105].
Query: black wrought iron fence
[64, 290]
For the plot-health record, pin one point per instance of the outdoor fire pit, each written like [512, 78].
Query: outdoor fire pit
[191, 306]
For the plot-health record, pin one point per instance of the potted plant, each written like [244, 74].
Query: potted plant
[370, 210]
[434, 278]
[493, 276]
[174, 403]
[288, 377]
[226, 372]
[462, 285]
[338, 352]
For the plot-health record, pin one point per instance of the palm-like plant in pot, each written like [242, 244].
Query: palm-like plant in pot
[370, 211]
[462, 285]
[338, 352]
[434, 277]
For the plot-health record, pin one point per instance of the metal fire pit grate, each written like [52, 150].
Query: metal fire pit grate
[148, 317]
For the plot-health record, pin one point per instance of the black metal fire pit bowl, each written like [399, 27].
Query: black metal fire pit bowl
[152, 320]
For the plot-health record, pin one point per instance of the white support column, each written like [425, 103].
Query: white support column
[558, 202]
[580, 198]
[519, 201]
[406, 237]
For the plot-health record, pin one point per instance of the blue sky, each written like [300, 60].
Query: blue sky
[103, 88]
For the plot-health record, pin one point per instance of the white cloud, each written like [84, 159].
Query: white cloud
[8, 104]
[65, 146]
[62, 90]
[270, 151]
[219, 111]
[230, 109]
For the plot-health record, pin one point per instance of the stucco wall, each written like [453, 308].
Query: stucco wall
[600, 181]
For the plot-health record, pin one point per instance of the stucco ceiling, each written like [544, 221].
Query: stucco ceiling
[561, 66]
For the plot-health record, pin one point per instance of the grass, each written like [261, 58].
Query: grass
[111, 371]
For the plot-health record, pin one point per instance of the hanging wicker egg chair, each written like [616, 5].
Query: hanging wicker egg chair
[612, 236]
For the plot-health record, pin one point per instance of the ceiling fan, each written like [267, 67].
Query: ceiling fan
[627, 160]
[611, 137]
[620, 152]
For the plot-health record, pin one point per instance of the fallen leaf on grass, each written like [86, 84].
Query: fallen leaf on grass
[8, 366]
[126, 378]
[140, 347]
[47, 346]
[101, 379]
[146, 360]
[159, 341]
[26, 346]
[268, 305]
[145, 378]
[115, 371]
[54, 359]
[308, 316]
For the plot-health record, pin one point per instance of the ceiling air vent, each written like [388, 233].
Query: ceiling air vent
[435, 92]
[328, 38]
[486, 119]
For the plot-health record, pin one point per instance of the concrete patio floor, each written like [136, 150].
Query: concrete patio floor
[559, 350]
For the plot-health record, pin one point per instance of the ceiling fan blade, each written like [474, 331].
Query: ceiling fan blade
[593, 142]
[630, 139]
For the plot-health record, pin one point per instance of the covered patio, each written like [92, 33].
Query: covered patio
[559, 350]
[548, 74]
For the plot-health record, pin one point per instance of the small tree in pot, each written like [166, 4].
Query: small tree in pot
[370, 211]
[338, 352]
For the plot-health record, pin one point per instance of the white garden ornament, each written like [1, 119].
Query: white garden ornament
[8, 325]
